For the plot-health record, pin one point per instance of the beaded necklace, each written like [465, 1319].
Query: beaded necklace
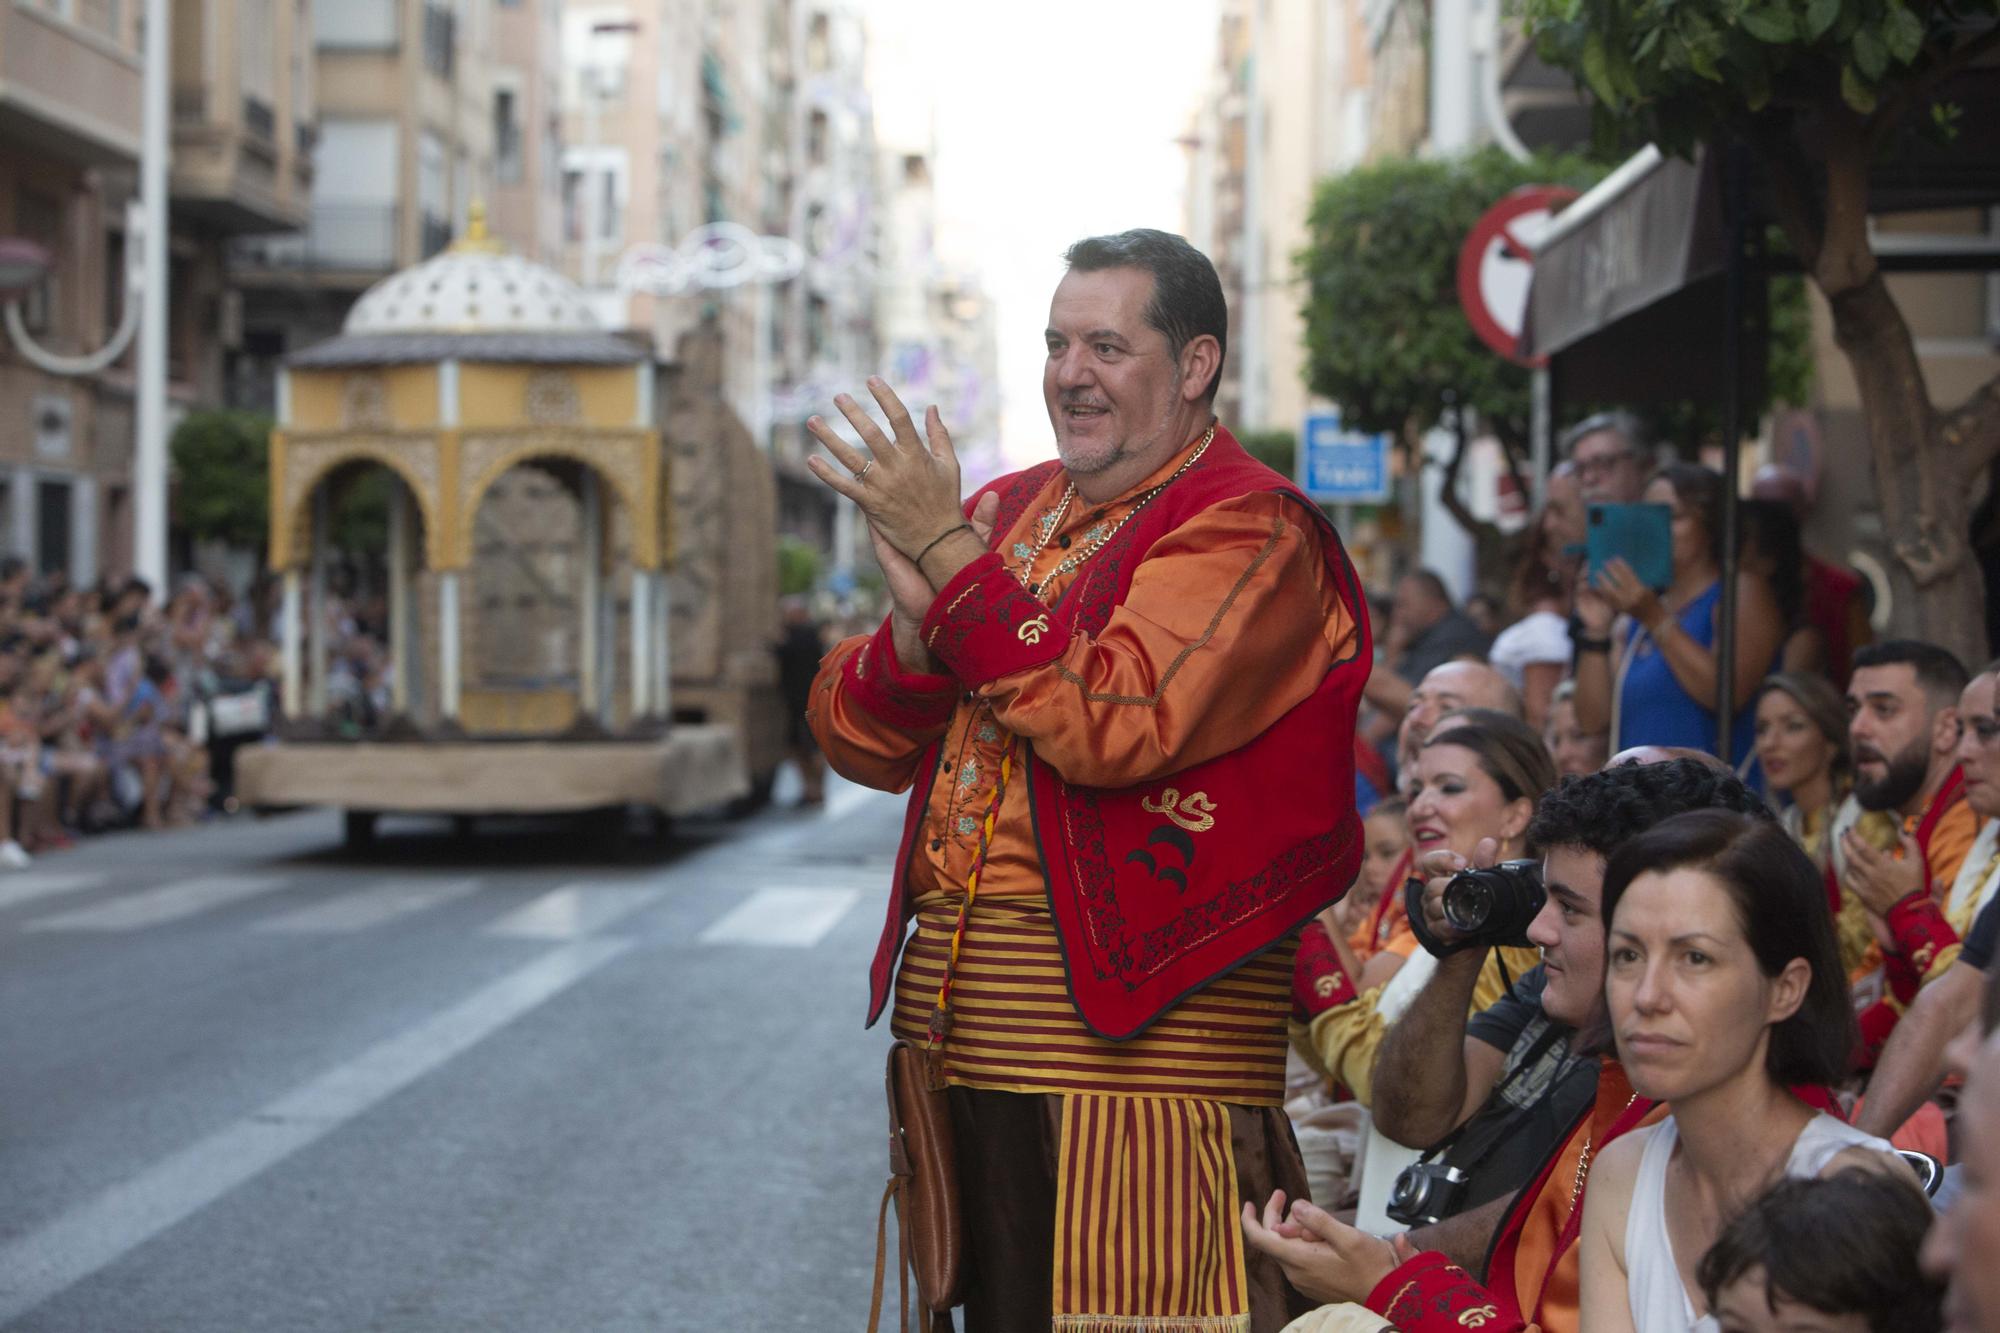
[1054, 521]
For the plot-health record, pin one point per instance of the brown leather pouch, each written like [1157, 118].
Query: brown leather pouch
[923, 1182]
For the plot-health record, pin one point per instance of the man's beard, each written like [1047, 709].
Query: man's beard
[1894, 789]
[1124, 447]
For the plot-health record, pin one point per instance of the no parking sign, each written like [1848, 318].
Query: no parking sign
[1497, 260]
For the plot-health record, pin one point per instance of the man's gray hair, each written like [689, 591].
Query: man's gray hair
[1621, 423]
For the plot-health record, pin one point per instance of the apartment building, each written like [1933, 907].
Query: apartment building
[243, 122]
[525, 208]
[940, 339]
[406, 144]
[682, 113]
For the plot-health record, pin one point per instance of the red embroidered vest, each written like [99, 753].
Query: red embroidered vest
[1285, 841]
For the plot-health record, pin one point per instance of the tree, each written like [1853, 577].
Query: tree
[1817, 91]
[798, 566]
[1385, 337]
[1275, 449]
[221, 477]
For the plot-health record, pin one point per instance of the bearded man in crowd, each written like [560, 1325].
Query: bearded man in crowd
[1901, 838]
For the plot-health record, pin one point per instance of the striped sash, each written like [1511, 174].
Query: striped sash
[1147, 1229]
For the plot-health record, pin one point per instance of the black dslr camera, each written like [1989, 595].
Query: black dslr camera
[1488, 907]
[1495, 905]
[1426, 1193]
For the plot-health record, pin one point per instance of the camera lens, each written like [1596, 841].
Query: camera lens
[1468, 903]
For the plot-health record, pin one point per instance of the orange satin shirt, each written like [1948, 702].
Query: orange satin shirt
[1090, 715]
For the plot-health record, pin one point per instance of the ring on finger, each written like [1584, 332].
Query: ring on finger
[863, 473]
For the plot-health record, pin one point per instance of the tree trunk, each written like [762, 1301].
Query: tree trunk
[1923, 499]
[1925, 469]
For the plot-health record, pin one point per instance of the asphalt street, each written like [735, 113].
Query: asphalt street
[250, 1080]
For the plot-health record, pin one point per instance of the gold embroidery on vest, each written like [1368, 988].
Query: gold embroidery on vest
[1194, 812]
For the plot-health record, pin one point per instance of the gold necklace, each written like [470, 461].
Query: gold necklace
[1054, 521]
[1583, 1160]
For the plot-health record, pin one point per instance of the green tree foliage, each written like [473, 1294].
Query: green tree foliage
[221, 477]
[798, 567]
[1385, 337]
[1275, 449]
[1819, 92]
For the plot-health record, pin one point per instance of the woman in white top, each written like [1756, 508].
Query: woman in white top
[1725, 991]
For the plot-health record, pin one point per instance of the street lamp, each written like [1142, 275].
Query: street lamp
[24, 263]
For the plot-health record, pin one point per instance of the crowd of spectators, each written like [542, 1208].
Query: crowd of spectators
[1634, 1026]
[118, 709]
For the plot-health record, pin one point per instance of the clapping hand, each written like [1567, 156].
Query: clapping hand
[906, 486]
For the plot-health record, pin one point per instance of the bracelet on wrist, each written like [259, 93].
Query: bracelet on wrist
[1588, 645]
[958, 527]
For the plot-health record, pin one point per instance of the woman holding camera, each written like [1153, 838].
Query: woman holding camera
[1479, 777]
[1655, 681]
[1725, 991]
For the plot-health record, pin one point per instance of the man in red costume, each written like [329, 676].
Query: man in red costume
[1123, 686]
[1902, 836]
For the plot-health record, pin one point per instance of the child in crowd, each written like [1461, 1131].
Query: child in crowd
[1824, 1255]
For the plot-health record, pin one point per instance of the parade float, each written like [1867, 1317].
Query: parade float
[598, 641]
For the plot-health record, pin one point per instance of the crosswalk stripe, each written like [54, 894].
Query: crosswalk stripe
[575, 910]
[783, 918]
[33, 885]
[159, 906]
[370, 906]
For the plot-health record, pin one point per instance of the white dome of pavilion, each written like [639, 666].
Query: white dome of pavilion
[472, 287]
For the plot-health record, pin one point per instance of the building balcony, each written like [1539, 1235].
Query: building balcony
[343, 244]
[240, 165]
[69, 81]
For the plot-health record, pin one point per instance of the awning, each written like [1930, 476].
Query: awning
[1627, 287]
[1627, 294]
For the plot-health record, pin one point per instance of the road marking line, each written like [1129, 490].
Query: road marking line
[158, 906]
[370, 906]
[783, 918]
[574, 911]
[30, 885]
[100, 1231]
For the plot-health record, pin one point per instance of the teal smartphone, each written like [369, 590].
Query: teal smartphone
[1641, 535]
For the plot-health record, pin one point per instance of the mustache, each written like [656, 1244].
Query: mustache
[1868, 753]
[1079, 398]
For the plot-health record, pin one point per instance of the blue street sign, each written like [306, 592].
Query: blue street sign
[1342, 467]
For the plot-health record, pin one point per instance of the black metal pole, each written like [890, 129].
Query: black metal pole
[1735, 205]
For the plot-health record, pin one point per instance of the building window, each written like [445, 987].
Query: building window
[52, 518]
[440, 40]
[39, 217]
[355, 213]
[508, 147]
[572, 204]
[355, 25]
